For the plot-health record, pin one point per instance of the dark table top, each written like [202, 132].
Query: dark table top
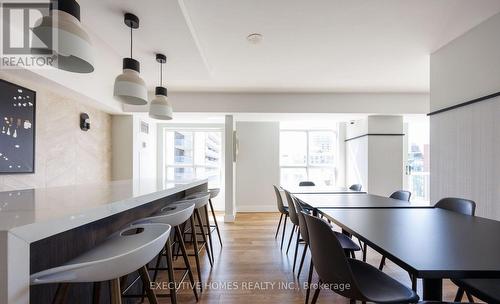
[428, 242]
[353, 201]
[320, 189]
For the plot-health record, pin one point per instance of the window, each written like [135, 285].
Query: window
[308, 155]
[417, 166]
[193, 154]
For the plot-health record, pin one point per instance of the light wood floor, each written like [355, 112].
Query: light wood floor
[251, 254]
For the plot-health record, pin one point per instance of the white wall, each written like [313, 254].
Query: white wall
[467, 67]
[257, 165]
[121, 144]
[144, 149]
[133, 152]
[465, 142]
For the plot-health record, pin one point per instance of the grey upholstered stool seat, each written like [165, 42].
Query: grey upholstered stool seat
[124, 252]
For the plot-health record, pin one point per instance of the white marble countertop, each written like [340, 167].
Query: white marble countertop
[35, 214]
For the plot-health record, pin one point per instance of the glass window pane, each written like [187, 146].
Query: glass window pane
[292, 176]
[293, 148]
[321, 148]
[183, 147]
[180, 173]
[322, 176]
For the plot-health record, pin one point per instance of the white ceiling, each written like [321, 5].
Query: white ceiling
[323, 45]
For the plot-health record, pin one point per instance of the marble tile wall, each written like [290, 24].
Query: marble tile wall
[65, 154]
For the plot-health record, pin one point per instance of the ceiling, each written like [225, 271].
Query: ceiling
[307, 46]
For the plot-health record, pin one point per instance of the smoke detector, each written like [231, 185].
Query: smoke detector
[255, 38]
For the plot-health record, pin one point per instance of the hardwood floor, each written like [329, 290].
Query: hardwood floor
[251, 263]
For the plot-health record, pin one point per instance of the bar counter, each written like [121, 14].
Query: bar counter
[43, 228]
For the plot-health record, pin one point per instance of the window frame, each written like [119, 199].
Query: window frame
[164, 166]
[308, 165]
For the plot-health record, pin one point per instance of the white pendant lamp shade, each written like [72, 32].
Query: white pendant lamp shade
[71, 44]
[160, 108]
[130, 88]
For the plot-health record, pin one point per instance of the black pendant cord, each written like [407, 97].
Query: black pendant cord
[161, 74]
[131, 42]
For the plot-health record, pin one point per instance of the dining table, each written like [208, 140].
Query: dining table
[320, 190]
[430, 243]
[355, 201]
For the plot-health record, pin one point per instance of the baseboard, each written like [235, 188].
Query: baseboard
[229, 218]
[257, 208]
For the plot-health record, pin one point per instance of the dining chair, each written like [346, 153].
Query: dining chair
[347, 243]
[487, 290]
[306, 183]
[355, 187]
[459, 205]
[454, 204]
[292, 213]
[335, 269]
[480, 287]
[284, 211]
[401, 195]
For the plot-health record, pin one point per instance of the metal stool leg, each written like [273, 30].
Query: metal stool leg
[186, 260]
[209, 232]
[200, 223]
[170, 265]
[61, 293]
[146, 283]
[215, 222]
[115, 292]
[196, 253]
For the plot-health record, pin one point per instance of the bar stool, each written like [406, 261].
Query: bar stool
[203, 207]
[199, 202]
[174, 215]
[124, 252]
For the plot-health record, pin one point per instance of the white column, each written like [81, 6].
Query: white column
[375, 154]
[229, 169]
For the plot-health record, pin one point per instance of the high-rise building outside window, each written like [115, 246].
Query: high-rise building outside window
[308, 155]
[193, 154]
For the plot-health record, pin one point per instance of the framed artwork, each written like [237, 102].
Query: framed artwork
[17, 128]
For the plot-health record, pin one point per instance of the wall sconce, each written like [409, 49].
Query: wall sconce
[84, 122]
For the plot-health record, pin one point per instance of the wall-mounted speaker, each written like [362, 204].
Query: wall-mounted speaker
[84, 122]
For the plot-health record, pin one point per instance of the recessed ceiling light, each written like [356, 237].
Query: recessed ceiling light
[255, 38]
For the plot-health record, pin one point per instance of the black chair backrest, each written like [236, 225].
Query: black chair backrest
[291, 208]
[401, 195]
[302, 220]
[279, 200]
[306, 183]
[356, 187]
[460, 205]
[329, 258]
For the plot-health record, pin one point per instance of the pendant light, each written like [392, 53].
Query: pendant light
[159, 107]
[130, 88]
[73, 47]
